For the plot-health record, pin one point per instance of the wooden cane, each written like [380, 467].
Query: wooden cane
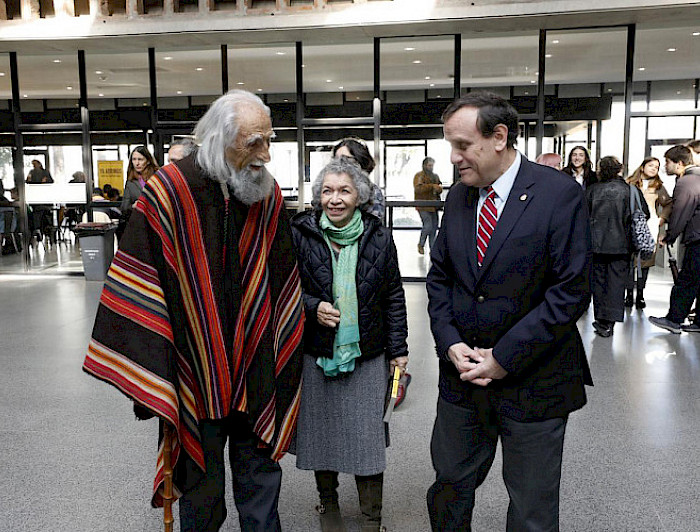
[167, 478]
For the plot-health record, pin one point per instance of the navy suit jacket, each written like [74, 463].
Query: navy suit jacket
[525, 299]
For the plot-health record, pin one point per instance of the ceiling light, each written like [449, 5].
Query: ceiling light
[641, 69]
[409, 49]
[427, 77]
[199, 69]
[100, 95]
[671, 50]
[432, 84]
[98, 72]
[303, 66]
[533, 81]
[167, 58]
[24, 95]
[696, 33]
[439, 96]
[240, 83]
[417, 62]
[329, 81]
[259, 90]
[555, 41]
[286, 100]
[357, 97]
[678, 92]
[281, 53]
[609, 90]
[2, 74]
[526, 93]
[179, 92]
[69, 88]
[56, 60]
[341, 87]
[548, 55]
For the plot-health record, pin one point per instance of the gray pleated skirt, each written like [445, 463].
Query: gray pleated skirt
[340, 425]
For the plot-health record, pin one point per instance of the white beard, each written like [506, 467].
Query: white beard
[250, 187]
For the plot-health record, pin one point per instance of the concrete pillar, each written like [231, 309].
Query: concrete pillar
[29, 9]
[134, 8]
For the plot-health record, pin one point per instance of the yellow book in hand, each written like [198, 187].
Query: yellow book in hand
[393, 393]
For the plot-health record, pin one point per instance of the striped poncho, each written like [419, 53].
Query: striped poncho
[201, 314]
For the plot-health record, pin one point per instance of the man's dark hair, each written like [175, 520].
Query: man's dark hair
[680, 154]
[359, 151]
[609, 168]
[492, 111]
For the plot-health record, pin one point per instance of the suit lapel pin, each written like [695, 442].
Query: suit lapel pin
[523, 197]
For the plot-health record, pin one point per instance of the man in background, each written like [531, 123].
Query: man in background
[684, 219]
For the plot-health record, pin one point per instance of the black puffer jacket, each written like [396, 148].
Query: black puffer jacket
[611, 222]
[380, 295]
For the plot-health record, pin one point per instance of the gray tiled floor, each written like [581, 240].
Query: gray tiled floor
[72, 458]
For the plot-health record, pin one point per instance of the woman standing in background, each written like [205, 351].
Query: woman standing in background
[657, 209]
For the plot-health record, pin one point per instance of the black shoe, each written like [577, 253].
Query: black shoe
[330, 517]
[602, 330]
[664, 323]
[629, 300]
[640, 303]
[693, 327]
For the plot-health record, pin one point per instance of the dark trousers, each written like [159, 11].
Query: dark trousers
[608, 279]
[463, 447]
[256, 481]
[637, 277]
[687, 287]
[429, 229]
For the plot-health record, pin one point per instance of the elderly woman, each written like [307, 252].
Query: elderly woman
[355, 332]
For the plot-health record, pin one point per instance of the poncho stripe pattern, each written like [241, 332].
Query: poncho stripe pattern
[159, 335]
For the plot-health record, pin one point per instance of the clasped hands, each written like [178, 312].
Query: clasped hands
[477, 366]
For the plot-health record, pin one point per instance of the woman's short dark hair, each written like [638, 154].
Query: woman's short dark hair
[694, 145]
[359, 151]
[609, 168]
[343, 165]
[492, 111]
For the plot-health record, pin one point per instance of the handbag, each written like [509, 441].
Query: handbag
[642, 241]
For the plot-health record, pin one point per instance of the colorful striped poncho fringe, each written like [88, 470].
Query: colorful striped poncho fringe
[202, 380]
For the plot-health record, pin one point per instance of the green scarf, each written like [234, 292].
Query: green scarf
[346, 347]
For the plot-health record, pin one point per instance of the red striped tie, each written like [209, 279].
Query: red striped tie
[487, 224]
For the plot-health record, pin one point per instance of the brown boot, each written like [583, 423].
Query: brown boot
[370, 491]
[328, 509]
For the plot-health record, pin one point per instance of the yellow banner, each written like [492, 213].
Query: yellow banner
[111, 172]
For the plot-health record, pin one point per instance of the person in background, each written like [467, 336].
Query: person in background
[553, 160]
[611, 231]
[113, 194]
[427, 186]
[77, 177]
[657, 207]
[180, 148]
[142, 166]
[580, 167]
[685, 220]
[210, 347]
[503, 305]
[356, 149]
[694, 146]
[355, 331]
[38, 174]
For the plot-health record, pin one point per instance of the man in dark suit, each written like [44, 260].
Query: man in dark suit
[509, 278]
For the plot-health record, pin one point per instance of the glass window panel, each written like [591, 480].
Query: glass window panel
[49, 75]
[665, 53]
[495, 61]
[119, 74]
[671, 128]
[637, 143]
[420, 63]
[586, 56]
[346, 67]
[5, 78]
[263, 69]
[672, 95]
[192, 72]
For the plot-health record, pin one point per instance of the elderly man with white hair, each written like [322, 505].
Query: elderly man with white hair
[201, 318]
